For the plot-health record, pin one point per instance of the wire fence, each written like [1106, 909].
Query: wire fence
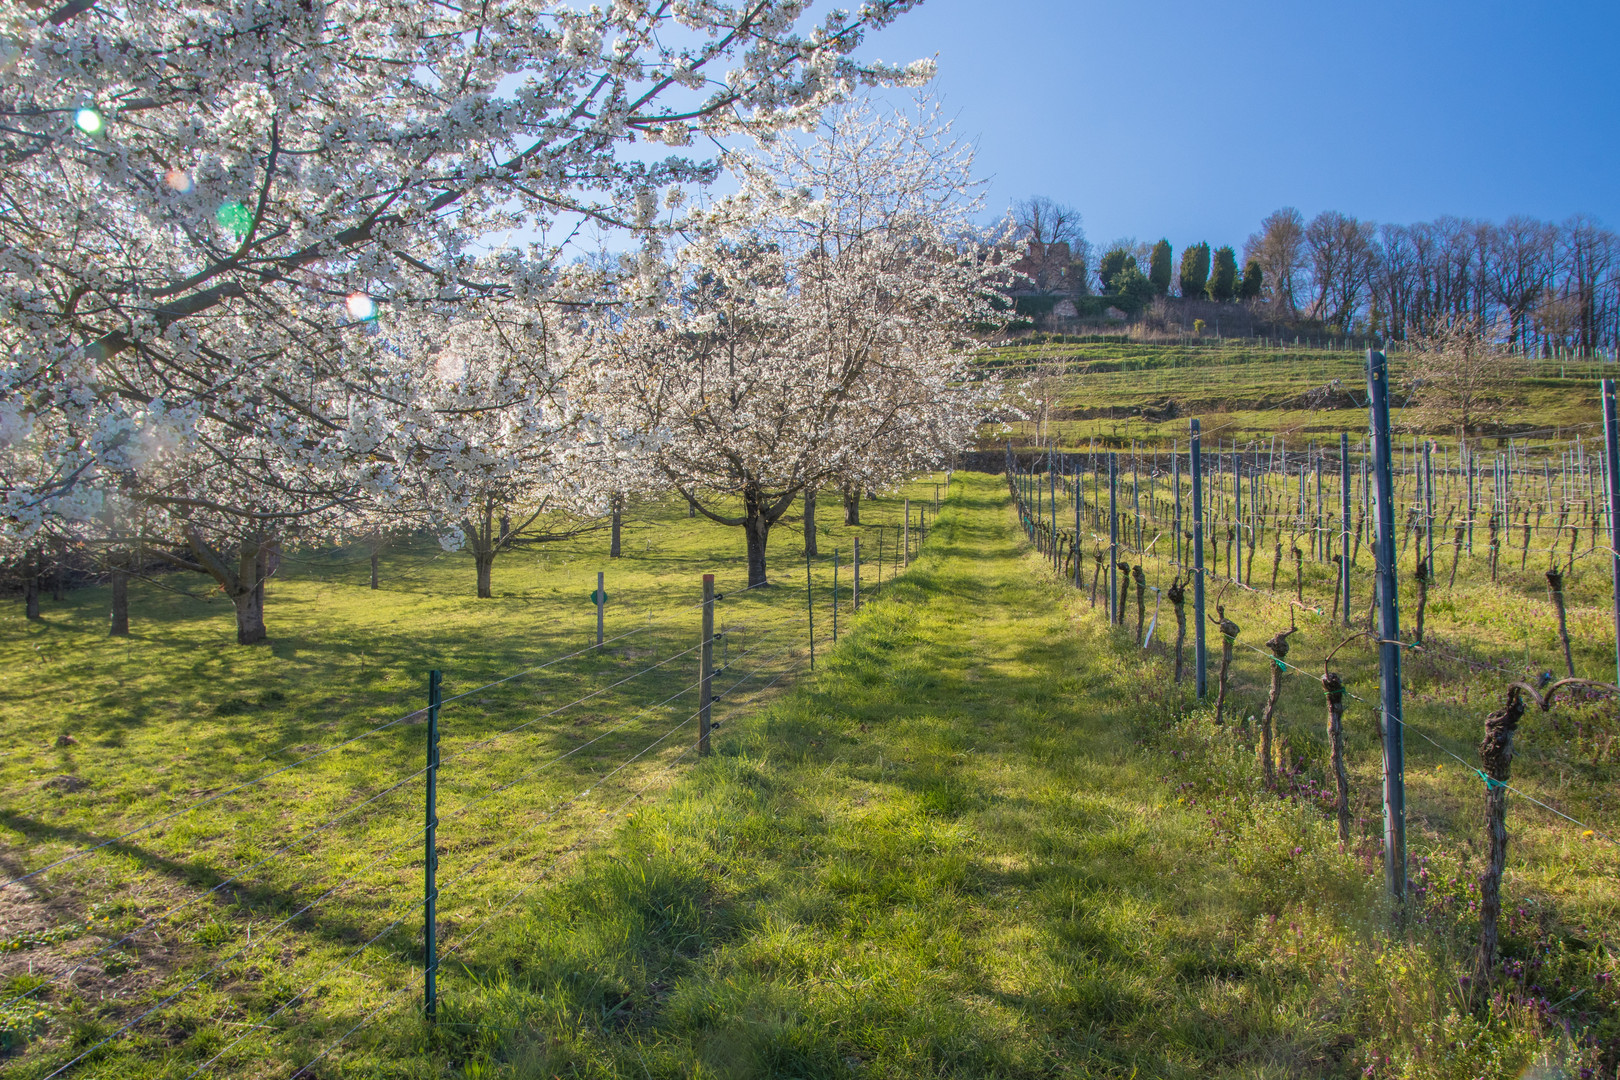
[1196, 522]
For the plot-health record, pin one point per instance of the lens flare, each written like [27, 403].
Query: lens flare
[235, 217]
[178, 180]
[361, 308]
[89, 121]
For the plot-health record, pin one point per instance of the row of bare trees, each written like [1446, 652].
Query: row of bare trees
[1532, 284]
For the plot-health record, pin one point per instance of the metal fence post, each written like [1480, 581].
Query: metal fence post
[1078, 570]
[855, 572]
[1428, 505]
[810, 609]
[1237, 513]
[1175, 464]
[907, 536]
[1200, 660]
[835, 595]
[706, 694]
[1472, 508]
[1611, 438]
[1389, 631]
[601, 598]
[1344, 524]
[1114, 614]
[430, 874]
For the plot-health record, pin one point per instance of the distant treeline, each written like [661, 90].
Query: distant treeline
[1536, 285]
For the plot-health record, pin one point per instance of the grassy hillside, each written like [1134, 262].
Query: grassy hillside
[1245, 392]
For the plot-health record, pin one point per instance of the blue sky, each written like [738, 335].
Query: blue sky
[1194, 120]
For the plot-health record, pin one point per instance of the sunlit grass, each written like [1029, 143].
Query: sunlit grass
[103, 736]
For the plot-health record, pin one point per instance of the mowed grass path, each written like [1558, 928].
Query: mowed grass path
[946, 854]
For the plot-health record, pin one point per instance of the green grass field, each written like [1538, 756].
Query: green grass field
[318, 869]
[989, 836]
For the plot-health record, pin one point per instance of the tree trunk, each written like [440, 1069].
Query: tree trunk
[758, 530]
[852, 506]
[810, 522]
[613, 546]
[31, 586]
[1496, 754]
[1178, 596]
[120, 600]
[376, 556]
[1333, 686]
[59, 575]
[250, 618]
[1229, 633]
[1555, 593]
[1338, 583]
[1141, 600]
[1279, 649]
[263, 567]
[1422, 579]
[248, 597]
[1495, 547]
[485, 543]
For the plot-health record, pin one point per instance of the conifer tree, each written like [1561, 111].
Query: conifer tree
[1223, 280]
[1194, 270]
[1159, 267]
[1253, 280]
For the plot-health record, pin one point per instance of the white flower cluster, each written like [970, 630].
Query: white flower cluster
[241, 300]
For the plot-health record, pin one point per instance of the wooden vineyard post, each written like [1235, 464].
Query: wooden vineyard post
[1200, 660]
[1611, 437]
[601, 599]
[706, 693]
[1389, 631]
